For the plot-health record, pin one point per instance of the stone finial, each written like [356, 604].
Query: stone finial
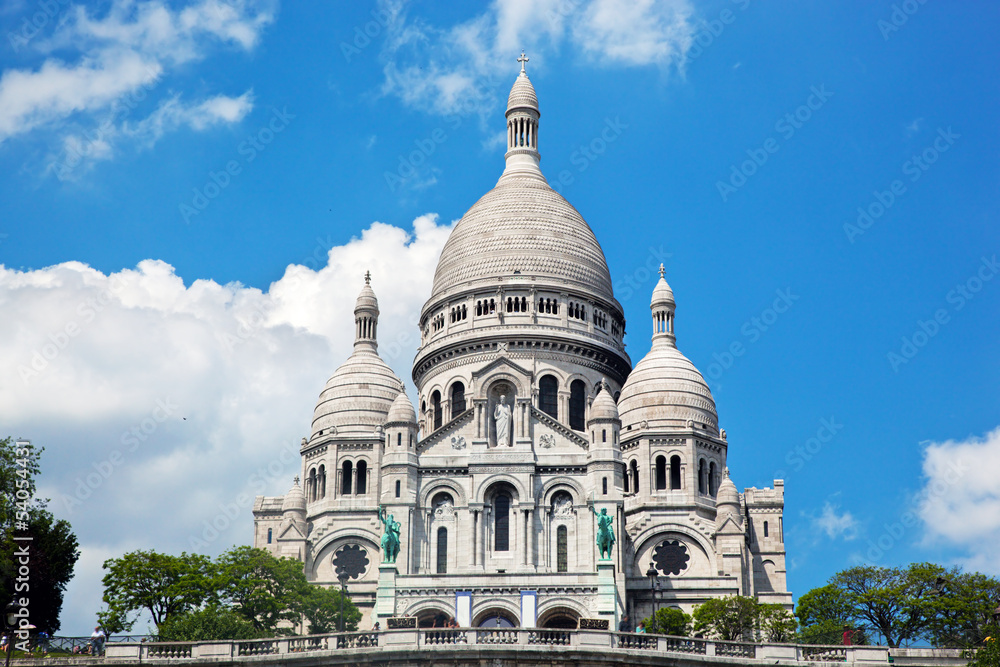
[368, 277]
[296, 480]
[523, 59]
[662, 270]
[725, 472]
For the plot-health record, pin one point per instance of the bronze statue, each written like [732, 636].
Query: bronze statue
[390, 538]
[605, 532]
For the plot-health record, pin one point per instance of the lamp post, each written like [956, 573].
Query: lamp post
[343, 576]
[10, 618]
[652, 573]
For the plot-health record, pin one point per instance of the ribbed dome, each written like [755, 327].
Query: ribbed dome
[666, 390]
[604, 406]
[522, 94]
[728, 495]
[295, 499]
[366, 299]
[358, 396]
[523, 225]
[662, 294]
[401, 411]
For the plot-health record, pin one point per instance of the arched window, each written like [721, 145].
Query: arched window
[436, 408]
[321, 480]
[604, 486]
[635, 476]
[457, 399]
[701, 476]
[562, 549]
[675, 472]
[362, 486]
[548, 396]
[398, 485]
[345, 478]
[765, 529]
[442, 560]
[311, 485]
[625, 480]
[661, 473]
[270, 534]
[577, 404]
[711, 479]
[399, 439]
[501, 522]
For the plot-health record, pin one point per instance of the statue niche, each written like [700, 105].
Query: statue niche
[501, 415]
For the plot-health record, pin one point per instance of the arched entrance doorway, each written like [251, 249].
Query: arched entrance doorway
[560, 618]
[433, 618]
[495, 618]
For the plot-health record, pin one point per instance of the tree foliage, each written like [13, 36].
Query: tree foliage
[208, 624]
[52, 548]
[921, 602]
[739, 618]
[161, 584]
[669, 621]
[986, 653]
[244, 592]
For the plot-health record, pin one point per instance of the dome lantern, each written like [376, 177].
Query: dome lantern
[366, 316]
[522, 125]
[662, 304]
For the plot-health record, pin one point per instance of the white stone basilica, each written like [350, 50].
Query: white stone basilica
[531, 417]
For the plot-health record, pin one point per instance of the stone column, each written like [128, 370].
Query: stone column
[475, 536]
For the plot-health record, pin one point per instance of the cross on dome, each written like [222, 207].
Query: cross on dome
[662, 270]
[523, 59]
[368, 277]
[296, 480]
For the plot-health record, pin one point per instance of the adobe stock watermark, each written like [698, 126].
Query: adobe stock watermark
[913, 169]
[87, 311]
[586, 154]
[363, 35]
[248, 149]
[786, 127]
[30, 27]
[797, 457]
[258, 482]
[21, 558]
[752, 330]
[901, 13]
[893, 532]
[131, 439]
[957, 297]
[410, 164]
[633, 282]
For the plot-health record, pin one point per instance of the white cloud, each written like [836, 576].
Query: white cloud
[960, 501]
[835, 525]
[458, 69]
[160, 404]
[107, 58]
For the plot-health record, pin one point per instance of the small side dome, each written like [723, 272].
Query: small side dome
[728, 495]
[295, 499]
[662, 294]
[604, 407]
[401, 411]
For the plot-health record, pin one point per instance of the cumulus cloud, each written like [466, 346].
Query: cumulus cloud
[835, 524]
[165, 408]
[960, 501]
[107, 58]
[459, 68]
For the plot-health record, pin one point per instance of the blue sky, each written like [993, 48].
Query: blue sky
[193, 191]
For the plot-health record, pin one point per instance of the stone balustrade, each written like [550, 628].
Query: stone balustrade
[460, 646]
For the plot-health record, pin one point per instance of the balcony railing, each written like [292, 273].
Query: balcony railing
[518, 639]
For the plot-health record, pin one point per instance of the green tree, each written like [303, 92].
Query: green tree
[886, 598]
[775, 624]
[209, 624]
[669, 621]
[162, 584]
[732, 618]
[263, 589]
[47, 544]
[321, 608]
[958, 605]
[823, 612]
[986, 652]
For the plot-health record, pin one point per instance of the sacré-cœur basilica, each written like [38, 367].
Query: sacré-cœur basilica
[531, 420]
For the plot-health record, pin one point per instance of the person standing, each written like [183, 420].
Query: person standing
[97, 641]
[623, 625]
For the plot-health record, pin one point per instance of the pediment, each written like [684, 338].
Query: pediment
[291, 532]
[446, 430]
[501, 362]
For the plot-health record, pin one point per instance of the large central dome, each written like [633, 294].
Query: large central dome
[522, 226]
